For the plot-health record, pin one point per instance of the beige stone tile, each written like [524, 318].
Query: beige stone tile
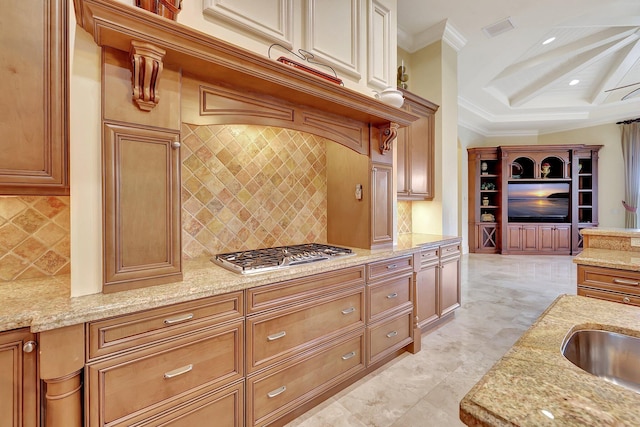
[50, 234]
[51, 206]
[10, 206]
[50, 262]
[11, 266]
[30, 249]
[29, 220]
[11, 236]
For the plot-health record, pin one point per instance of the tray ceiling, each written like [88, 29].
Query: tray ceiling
[512, 83]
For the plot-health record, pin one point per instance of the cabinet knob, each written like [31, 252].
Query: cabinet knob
[29, 346]
[626, 300]
[175, 144]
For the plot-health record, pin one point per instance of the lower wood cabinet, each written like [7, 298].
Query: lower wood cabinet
[274, 392]
[610, 284]
[19, 391]
[175, 358]
[538, 238]
[437, 284]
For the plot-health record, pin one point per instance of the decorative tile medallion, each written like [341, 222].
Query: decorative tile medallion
[404, 217]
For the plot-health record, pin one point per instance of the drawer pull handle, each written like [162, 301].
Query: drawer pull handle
[276, 336]
[276, 392]
[626, 300]
[392, 334]
[348, 310]
[392, 266]
[626, 282]
[178, 371]
[178, 319]
[393, 295]
[349, 355]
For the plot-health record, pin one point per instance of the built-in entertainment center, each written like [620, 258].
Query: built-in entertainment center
[532, 199]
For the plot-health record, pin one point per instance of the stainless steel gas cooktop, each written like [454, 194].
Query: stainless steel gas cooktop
[266, 259]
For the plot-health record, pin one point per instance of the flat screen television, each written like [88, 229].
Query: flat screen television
[538, 202]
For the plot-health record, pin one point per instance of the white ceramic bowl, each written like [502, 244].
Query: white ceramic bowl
[391, 97]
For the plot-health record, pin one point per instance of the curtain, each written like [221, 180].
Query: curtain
[631, 157]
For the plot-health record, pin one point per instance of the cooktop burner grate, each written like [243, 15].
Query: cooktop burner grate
[265, 259]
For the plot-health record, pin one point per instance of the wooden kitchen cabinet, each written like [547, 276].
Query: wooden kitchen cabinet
[416, 150]
[163, 363]
[34, 86]
[437, 285]
[141, 186]
[310, 342]
[19, 391]
[538, 238]
[554, 238]
[390, 307]
[610, 284]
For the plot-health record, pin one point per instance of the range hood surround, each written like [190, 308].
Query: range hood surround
[213, 82]
[121, 26]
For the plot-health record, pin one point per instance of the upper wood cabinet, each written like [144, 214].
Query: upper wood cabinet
[18, 379]
[34, 86]
[416, 148]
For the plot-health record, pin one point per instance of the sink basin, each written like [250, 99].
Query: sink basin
[609, 355]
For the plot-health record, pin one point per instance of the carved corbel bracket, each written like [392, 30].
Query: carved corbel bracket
[387, 136]
[146, 66]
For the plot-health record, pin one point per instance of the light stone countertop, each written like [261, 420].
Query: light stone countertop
[611, 232]
[45, 304]
[621, 260]
[534, 378]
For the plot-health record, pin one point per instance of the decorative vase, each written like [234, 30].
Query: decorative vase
[485, 201]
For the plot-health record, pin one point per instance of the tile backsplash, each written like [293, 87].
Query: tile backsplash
[247, 187]
[404, 217]
[34, 237]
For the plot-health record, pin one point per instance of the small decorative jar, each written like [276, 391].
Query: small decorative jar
[485, 201]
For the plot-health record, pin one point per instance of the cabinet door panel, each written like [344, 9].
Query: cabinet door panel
[530, 238]
[426, 295]
[381, 204]
[141, 207]
[18, 381]
[449, 285]
[34, 87]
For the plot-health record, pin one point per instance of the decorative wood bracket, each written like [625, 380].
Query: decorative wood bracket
[387, 137]
[146, 66]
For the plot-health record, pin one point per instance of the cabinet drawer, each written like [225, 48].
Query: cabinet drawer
[304, 289]
[275, 336]
[132, 331]
[450, 250]
[609, 279]
[389, 295]
[127, 384]
[389, 335]
[225, 406]
[389, 267]
[427, 257]
[609, 296]
[277, 391]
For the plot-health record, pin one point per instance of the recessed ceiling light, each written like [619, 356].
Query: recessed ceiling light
[549, 40]
[574, 82]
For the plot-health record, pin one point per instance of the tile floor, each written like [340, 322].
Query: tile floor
[502, 295]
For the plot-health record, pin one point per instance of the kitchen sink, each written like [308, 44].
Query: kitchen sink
[609, 355]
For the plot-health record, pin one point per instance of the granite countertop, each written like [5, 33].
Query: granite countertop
[621, 260]
[44, 304]
[611, 232]
[534, 385]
